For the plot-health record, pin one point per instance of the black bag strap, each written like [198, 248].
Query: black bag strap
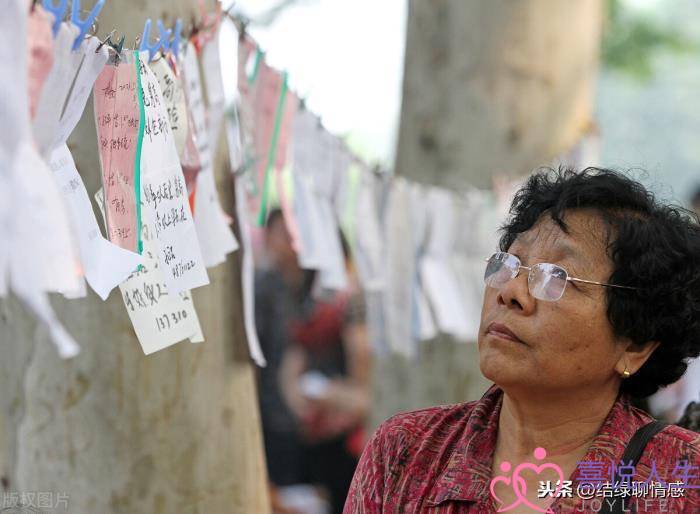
[633, 452]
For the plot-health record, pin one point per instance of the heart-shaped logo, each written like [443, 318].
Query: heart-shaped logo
[517, 482]
[504, 480]
[519, 485]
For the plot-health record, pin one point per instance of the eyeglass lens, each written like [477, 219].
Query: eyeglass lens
[545, 281]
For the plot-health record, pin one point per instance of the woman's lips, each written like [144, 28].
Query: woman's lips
[502, 331]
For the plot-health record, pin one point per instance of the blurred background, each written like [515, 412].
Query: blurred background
[646, 86]
[468, 96]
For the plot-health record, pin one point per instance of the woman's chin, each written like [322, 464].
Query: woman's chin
[501, 370]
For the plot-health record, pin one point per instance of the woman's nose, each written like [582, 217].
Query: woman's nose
[515, 294]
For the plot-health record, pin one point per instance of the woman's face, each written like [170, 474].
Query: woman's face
[562, 345]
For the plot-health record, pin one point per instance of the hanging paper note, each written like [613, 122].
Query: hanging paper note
[105, 264]
[174, 98]
[159, 319]
[247, 279]
[30, 215]
[92, 64]
[172, 85]
[216, 102]
[164, 193]
[400, 255]
[368, 249]
[43, 243]
[39, 53]
[57, 87]
[437, 274]
[213, 230]
[117, 119]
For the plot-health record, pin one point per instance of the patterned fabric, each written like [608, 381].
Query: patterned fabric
[438, 460]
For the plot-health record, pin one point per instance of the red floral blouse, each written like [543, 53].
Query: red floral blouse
[439, 460]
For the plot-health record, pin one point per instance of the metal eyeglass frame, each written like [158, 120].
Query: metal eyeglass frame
[568, 278]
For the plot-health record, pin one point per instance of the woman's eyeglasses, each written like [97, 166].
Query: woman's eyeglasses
[545, 281]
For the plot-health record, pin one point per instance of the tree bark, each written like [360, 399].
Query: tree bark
[116, 431]
[490, 87]
[495, 87]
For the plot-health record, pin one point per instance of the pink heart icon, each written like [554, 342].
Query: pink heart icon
[505, 480]
[519, 482]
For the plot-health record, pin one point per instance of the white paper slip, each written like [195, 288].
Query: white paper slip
[56, 88]
[308, 215]
[426, 328]
[211, 66]
[42, 241]
[369, 243]
[105, 264]
[437, 275]
[159, 319]
[215, 235]
[214, 232]
[174, 97]
[333, 275]
[5, 241]
[247, 279]
[29, 193]
[93, 62]
[165, 204]
[400, 261]
[38, 303]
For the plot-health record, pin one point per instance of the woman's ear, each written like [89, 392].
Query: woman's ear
[634, 356]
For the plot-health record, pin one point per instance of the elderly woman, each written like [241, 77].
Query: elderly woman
[593, 298]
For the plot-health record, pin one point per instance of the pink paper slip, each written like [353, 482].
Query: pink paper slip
[117, 121]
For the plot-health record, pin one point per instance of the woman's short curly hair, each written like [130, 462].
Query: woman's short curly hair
[653, 246]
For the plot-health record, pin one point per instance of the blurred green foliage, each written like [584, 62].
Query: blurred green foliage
[631, 39]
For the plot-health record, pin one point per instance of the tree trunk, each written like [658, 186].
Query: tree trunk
[490, 87]
[495, 87]
[116, 431]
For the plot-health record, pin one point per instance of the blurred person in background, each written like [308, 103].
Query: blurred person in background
[326, 380]
[279, 293]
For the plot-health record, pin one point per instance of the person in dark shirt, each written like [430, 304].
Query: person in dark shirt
[278, 293]
[326, 381]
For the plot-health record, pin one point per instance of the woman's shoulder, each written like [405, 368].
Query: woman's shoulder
[682, 440]
[428, 422]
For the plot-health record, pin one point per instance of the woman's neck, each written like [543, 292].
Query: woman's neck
[563, 425]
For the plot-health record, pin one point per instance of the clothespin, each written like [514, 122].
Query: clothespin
[164, 37]
[153, 48]
[86, 23]
[177, 36]
[108, 39]
[117, 48]
[58, 11]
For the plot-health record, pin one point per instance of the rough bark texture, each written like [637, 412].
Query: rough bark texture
[119, 432]
[498, 86]
[495, 87]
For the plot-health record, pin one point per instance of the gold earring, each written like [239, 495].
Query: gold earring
[626, 374]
